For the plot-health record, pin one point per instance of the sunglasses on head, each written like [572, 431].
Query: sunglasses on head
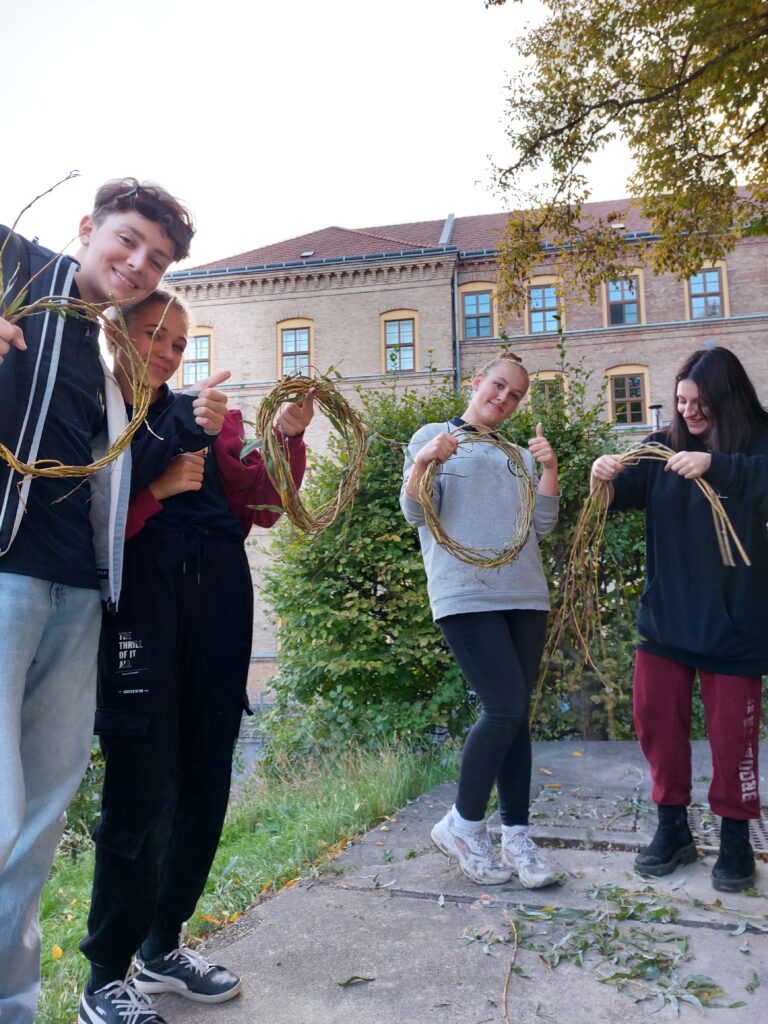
[148, 205]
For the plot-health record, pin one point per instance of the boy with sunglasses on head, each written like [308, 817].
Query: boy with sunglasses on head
[61, 539]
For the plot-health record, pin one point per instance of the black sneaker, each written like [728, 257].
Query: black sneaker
[187, 973]
[117, 1003]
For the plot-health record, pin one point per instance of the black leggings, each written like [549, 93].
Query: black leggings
[499, 655]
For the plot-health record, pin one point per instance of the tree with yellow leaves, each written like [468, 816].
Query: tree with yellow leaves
[682, 84]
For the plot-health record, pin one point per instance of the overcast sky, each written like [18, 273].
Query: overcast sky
[271, 118]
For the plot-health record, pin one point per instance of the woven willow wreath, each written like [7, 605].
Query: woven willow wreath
[481, 557]
[60, 306]
[52, 468]
[344, 419]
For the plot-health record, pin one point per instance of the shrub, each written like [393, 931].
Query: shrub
[360, 654]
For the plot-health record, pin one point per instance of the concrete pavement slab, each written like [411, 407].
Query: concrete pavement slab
[425, 944]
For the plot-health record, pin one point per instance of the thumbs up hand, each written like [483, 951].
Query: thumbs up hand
[541, 449]
[209, 405]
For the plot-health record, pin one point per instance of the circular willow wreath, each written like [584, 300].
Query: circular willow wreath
[64, 307]
[345, 420]
[480, 556]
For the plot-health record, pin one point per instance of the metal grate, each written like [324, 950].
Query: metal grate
[577, 815]
[706, 830]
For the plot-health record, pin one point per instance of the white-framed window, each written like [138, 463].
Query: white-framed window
[196, 363]
[628, 395]
[399, 345]
[705, 294]
[294, 346]
[623, 301]
[543, 307]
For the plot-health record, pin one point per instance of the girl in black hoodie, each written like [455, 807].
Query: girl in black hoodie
[698, 615]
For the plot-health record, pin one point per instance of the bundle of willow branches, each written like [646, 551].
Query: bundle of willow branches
[580, 587]
[344, 419]
[60, 306]
[481, 557]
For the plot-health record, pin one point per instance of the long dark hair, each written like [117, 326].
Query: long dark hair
[728, 395]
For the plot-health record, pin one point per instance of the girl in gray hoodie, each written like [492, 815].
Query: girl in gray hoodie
[494, 620]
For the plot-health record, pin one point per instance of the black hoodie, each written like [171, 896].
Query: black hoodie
[694, 609]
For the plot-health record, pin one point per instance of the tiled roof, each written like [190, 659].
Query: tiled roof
[468, 234]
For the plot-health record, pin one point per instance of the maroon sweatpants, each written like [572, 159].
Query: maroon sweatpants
[663, 695]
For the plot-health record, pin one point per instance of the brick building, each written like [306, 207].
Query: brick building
[391, 302]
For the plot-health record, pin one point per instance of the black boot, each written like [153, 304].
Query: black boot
[734, 869]
[672, 845]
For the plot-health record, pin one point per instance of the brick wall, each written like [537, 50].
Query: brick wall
[345, 306]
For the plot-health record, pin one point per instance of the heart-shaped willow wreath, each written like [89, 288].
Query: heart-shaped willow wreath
[483, 558]
[344, 419]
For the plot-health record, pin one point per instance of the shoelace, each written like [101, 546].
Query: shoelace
[128, 1001]
[484, 843]
[190, 958]
[483, 847]
[524, 846]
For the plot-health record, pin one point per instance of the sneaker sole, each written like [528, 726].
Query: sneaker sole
[178, 988]
[451, 855]
[96, 1018]
[687, 855]
[536, 885]
[442, 847]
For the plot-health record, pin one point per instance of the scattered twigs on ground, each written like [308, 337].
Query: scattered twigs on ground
[483, 557]
[344, 419]
[620, 939]
[510, 970]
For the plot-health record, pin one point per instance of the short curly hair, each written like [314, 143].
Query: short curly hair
[151, 201]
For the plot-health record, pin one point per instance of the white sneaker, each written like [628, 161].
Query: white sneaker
[476, 856]
[520, 853]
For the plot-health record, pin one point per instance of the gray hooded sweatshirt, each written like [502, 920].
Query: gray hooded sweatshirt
[477, 497]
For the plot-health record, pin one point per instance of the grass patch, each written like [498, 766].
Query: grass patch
[285, 824]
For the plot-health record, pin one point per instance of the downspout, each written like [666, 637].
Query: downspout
[456, 341]
[445, 239]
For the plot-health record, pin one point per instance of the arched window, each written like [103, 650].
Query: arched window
[399, 340]
[295, 344]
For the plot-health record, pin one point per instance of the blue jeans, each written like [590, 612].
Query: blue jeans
[49, 636]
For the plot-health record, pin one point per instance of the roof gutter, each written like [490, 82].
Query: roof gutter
[436, 250]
